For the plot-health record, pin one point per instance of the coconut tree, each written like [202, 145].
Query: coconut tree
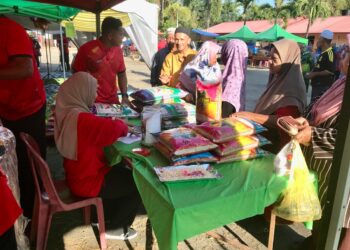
[312, 9]
[245, 4]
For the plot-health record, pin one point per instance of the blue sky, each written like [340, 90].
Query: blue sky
[265, 1]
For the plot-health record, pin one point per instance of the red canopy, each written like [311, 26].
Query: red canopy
[89, 5]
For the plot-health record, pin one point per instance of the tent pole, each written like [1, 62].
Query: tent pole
[62, 54]
[98, 24]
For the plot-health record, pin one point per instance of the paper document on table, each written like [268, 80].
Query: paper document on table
[130, 138]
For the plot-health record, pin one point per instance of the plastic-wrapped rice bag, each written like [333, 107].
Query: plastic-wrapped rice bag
[184, 141]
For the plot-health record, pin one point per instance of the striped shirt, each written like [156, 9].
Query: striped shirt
[319, 158]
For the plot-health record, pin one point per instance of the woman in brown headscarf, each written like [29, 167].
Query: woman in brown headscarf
[285, 94]
[81, 138]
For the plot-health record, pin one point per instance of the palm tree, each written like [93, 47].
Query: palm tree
[278, 8]
[245, 4]
[313, 9]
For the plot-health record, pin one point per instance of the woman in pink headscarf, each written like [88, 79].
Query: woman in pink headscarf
[203, 67]
[234, 55]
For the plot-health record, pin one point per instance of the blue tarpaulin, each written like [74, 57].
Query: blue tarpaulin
[204, 33]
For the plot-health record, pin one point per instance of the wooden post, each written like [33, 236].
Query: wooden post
[271, 231]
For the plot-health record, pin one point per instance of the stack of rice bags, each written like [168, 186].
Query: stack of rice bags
[236, 138]
[183, 146]
[157, 95]
[177, 114]
[113, 110]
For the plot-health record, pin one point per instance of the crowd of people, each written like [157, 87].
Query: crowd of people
[100, 72]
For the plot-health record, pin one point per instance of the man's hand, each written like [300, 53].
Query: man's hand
[311, 75]
[165, 79]
[125, 101]
[304, 136]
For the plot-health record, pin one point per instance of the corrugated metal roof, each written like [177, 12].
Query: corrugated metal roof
[337, 24]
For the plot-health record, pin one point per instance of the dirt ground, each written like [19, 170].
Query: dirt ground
[68, 232]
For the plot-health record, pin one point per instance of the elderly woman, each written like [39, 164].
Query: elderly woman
[318, 133]
[285, 94]
[81, 137]
[234, 55]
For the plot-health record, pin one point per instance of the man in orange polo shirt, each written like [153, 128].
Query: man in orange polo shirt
[22, 100]
[103, 59]
[176, 60]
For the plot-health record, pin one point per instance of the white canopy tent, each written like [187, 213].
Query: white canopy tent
[140, 20]
[143, 30]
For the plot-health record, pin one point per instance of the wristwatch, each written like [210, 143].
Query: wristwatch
[125, 95]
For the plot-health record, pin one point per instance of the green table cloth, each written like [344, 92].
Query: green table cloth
[178, 211]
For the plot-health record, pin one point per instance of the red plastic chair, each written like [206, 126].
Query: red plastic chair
[48, 202]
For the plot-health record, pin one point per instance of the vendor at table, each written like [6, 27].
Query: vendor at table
[81, 137]
[22, 100]
[176, 60]
[285, 94]
[103, 59]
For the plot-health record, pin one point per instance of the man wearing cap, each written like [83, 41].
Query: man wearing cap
[322, 76]
[177, 60]
[159, 58]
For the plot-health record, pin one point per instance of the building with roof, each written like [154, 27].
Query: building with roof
[339, 25]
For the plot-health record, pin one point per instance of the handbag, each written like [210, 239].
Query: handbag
[289, 125]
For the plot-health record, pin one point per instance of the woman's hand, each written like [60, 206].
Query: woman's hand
[304, 136]
[189, 98]
[303, 123]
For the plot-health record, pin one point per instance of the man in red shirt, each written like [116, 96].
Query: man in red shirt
[9, 212]
[103, 59]
[22, 100]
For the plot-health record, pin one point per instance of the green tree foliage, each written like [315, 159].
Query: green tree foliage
[177, 14]
[199, 10]
[338, 5]
[283, 12]
[313, 9]
[214, 12]
[229, 11]
[259, 12]
[245, 5]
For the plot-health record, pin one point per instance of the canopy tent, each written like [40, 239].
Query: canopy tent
[243, 33]
[86, 21]
[144, 29]
[276, 32]
[47, 11]
[140, 20]
[94, 6]
[204, 33]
